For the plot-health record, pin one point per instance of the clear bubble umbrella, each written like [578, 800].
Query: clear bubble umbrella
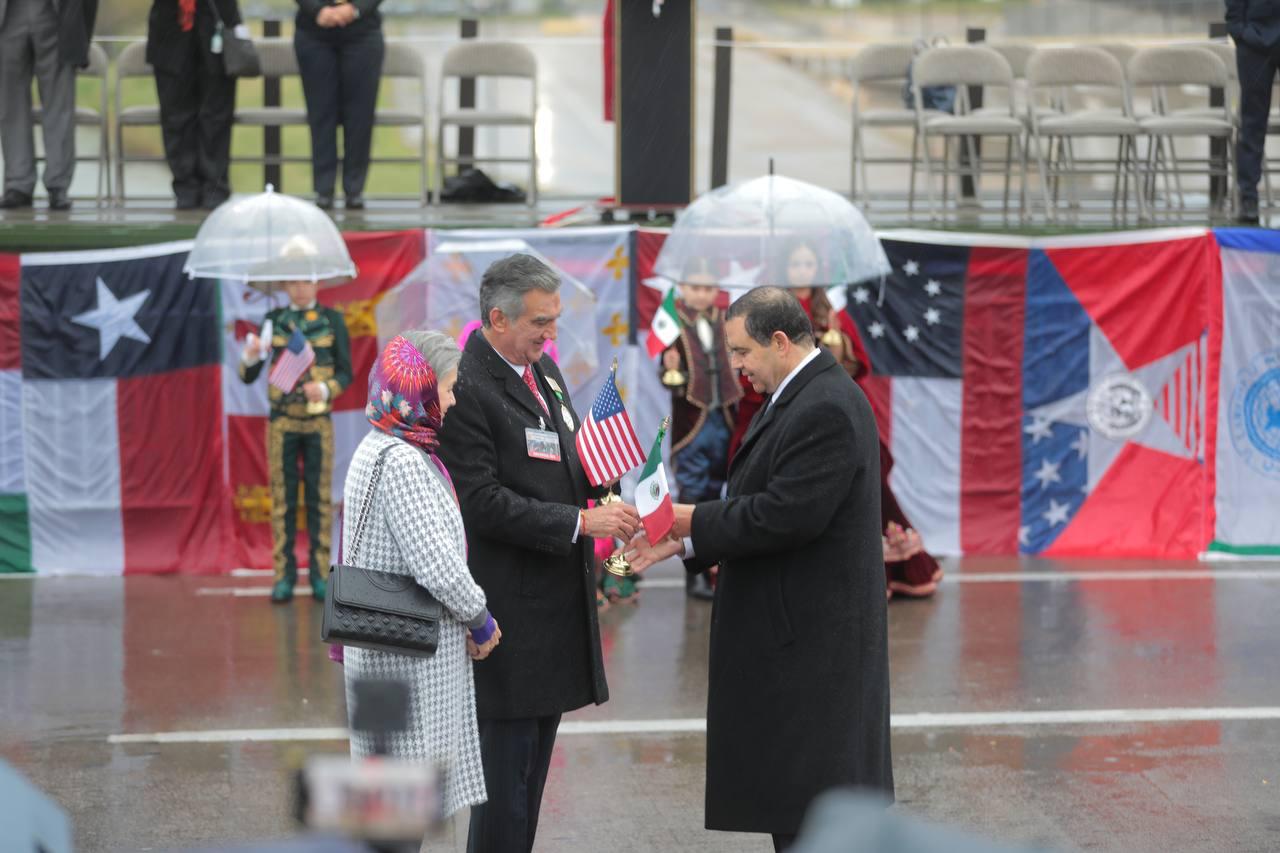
[269, 238]
[744, 233]
[443, 293]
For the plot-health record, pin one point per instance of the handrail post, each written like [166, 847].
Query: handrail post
[720, 107]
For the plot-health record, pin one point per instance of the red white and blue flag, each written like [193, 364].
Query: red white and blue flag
[293, 363]
[606, 441]
[1045, 398]
[111, 414]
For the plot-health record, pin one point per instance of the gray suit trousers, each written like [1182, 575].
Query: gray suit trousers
[29, 47]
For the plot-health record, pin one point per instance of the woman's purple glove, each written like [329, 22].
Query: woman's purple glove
[484, 633]
[484, 639]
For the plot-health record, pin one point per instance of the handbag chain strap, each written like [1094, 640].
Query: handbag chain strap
[367, 504]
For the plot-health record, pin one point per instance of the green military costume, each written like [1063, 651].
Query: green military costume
[301, 428]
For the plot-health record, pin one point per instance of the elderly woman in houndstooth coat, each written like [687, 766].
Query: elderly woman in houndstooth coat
[414, 528]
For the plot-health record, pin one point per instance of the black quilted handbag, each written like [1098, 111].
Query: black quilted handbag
[378, 610]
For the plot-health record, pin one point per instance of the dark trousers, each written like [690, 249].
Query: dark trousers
[516, 755]
[1257, 71]
[702, 464]
[196, 110]
[310, 442]
[29, 47]
[783, 841]
[341, 68]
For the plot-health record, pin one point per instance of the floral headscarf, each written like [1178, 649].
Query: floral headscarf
[404, 397]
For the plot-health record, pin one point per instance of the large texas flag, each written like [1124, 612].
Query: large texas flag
[1045, 397]
[112, 405]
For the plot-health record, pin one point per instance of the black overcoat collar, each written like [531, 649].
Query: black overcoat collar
[766, 415]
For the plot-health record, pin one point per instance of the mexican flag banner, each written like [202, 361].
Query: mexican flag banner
[653, 498]
[666, 325]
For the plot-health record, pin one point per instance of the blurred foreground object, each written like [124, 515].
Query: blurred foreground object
[384, 802]
[29, 820]
[844, 821]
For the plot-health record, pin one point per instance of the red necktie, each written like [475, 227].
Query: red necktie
[533, 387]
[186, 15]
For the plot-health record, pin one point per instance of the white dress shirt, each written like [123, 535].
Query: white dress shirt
[519, 369]
[792, 375]
[777, 392]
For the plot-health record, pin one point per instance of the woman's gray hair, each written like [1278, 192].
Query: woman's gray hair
[440, 350]
[505, 283]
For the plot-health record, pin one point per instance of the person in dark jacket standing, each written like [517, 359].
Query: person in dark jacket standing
[48, 40]
[1254, 26]
[197, 98]
[340, 48]
[798, 693]
[529, 543]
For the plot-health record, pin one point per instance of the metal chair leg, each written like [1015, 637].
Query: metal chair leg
[946, 173]
[928, 177]
[1051, 212]
[1008, 168]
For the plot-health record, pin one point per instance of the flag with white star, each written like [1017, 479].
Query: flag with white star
[114, 317]
[117, 391]
[1113, 393]
[911, 324]
[1045, 397]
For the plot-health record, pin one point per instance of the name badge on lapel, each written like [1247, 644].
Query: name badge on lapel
[542, 444]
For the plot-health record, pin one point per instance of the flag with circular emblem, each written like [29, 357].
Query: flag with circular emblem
[653, 498]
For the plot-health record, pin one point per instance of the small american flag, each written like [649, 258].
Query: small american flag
[297, 358]
[606, 442]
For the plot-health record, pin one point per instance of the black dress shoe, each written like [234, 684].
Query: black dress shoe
[1248, 214]
[58, 200]
[14, 199]
[355, 202]
[324, 202]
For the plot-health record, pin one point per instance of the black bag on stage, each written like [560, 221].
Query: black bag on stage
[239, 56]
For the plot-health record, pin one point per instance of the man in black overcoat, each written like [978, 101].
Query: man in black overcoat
[529, 541]
[798, 695]
[197, 98]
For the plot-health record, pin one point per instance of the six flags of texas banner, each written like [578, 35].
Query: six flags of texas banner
[1115, 396]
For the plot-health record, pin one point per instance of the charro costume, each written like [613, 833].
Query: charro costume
[299, 428]
[702, 411]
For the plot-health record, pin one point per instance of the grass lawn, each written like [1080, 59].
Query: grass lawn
[384, 179]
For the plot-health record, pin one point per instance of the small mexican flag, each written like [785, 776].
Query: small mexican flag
[666, 324]
[653, 499]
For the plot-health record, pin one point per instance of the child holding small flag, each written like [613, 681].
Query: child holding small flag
[310, 356]
[702, 407]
